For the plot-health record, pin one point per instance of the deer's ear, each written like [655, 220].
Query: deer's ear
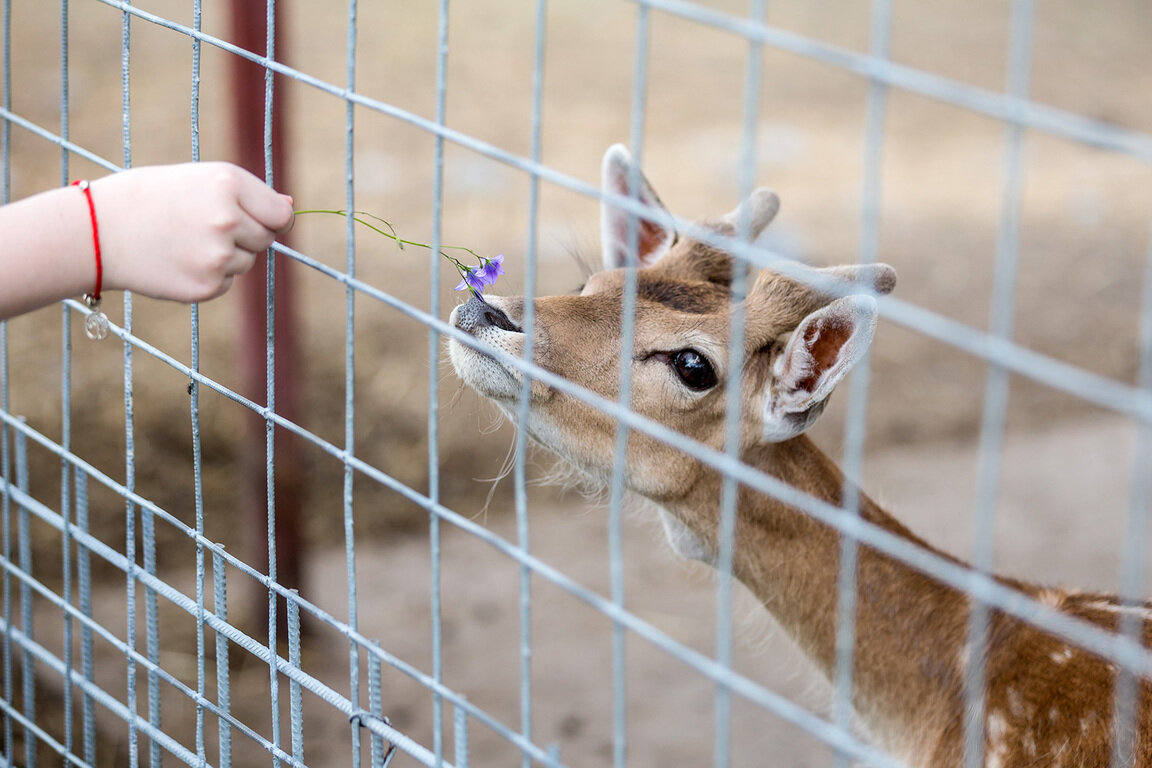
[618, 174]
[821, 350]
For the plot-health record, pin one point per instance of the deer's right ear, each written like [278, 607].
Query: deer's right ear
[618, 174]
[820, 352]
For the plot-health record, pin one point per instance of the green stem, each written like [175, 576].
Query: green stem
[393, 235]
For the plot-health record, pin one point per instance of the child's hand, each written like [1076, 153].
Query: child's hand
[183, 232]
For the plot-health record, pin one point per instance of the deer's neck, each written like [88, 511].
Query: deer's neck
[909, 629]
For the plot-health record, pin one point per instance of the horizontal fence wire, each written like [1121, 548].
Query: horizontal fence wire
[24, 650]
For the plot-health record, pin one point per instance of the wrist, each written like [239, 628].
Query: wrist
[96, 323]
[47, 250]
[92, 297]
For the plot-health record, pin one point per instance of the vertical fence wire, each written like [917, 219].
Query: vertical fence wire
[376, 707]
[194, 414]
[295, 692]
[855, 426]
[434, 544]
[5, 401]
[270, 393]
[152, 631]
[6, 125]
[87, 656]
[65, 404]
[627, 336]
[130, 543]
[223, 680]
[460, 736]
[6, 524]
[997, 381]
[350, 371]
[529, 325]
[1134, 554]
[24, 553]
[734, 389]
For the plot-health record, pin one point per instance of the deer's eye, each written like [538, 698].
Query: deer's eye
[694, 369]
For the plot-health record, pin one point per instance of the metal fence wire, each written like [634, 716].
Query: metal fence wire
[136, 625]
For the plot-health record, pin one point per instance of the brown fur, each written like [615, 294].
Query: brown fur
[1047, 703]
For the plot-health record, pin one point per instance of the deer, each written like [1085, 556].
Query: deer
[1046, 702]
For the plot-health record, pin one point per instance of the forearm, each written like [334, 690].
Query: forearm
[46, 250]
[177, 232]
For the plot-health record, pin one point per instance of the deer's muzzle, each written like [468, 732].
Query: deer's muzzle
[475, 315]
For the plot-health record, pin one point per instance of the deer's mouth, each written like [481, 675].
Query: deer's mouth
[491, 325]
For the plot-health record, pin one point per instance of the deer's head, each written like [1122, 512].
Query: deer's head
[800, 341]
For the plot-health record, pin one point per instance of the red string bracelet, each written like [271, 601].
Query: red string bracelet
[96, 324]
[95, 295]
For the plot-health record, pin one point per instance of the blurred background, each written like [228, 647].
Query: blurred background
[1083, 254]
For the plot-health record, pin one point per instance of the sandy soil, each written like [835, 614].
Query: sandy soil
[1084, 233]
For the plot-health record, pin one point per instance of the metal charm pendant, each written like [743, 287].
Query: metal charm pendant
[95, 324]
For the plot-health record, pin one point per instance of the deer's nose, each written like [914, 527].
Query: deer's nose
[475, 314]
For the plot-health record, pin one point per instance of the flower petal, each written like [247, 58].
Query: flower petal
[473, 280]
[492, 270]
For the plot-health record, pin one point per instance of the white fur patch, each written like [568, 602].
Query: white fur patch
[997, 729]
[684, 541]
[1121, 610]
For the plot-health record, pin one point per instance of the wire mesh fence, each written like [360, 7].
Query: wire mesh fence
[146, 612]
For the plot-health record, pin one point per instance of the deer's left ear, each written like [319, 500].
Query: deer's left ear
[820, 352]
[652, 239]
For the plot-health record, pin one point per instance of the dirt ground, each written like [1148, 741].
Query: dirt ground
[1084, 233]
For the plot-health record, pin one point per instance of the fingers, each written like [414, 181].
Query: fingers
[253, 214]
[291, 213]
[269, 208]
[250, 235]
[265, 214]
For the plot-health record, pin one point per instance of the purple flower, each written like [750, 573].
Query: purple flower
[473, 280]
[492, 269]
[479, 277]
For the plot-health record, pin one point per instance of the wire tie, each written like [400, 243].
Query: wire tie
[358, 719]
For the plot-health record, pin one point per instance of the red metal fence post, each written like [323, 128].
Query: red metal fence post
[250, 31]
